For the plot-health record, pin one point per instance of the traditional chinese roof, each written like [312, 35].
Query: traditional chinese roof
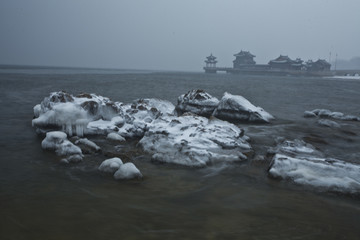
[282, 59]
[244, 54]
[211, 57]
[322, 62]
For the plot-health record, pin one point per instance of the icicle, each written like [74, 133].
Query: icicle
[68, 128]
[80, 125]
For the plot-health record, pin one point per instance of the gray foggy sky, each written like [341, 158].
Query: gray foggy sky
[174, 35]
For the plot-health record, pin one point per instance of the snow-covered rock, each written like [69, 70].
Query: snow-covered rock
[121, 171]
[127, 171]
[57, 141]
[325, 113]
[301, 163]
[237, 108]
[110, 165]
[87, 145]
[198, 102]
[86, 114]
[194, 141]
[72, 114]
[115, 137]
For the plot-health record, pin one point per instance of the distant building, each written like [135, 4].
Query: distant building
[243, 58]
[210, 66]
[283, 65]
[211, 61]
[319, 66]
[297, 64]
[286, 63]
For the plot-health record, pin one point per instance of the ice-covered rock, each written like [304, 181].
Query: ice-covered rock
[87, 145]
[115, 137]
[57, 141]
[325, 113]
[302, 164]
[71, 114]
[110, 165]
[198, 102]
[194, 141]
[237, 108]
[127, 171]
[92, 114]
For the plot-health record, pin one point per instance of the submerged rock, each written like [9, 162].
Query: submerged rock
[325, 113]
[87, 146]
[194, 141]
[301, 163]
[237, 108]
[328, 123]
[198, 102]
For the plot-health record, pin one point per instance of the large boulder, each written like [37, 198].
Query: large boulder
[86, 114]
[194, 141]
[301, 163]
[198, 102]
[237, 108]
[71, 114]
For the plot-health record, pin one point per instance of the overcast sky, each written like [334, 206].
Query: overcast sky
[174, 35]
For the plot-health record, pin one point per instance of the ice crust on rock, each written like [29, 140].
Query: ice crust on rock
[115, 137]
[88, 143]
[235, 107]
[194, 141]
[127, 171]
[301, 163]
[325, 113]
[57, 141]
[198, 102]
[110, 165]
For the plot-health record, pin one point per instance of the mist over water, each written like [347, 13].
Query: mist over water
[41, 198]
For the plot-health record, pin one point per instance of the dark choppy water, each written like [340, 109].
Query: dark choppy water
[42, 199]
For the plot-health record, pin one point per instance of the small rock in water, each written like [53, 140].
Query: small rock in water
[115, 137]
[87, 146]
[110, 165]
[57, 141]
[127, 171]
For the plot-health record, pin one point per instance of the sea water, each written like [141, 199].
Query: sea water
[40, 198]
